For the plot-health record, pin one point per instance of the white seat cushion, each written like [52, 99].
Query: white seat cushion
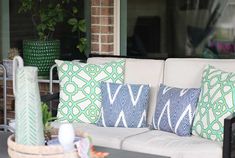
[108, 137]
[169, 144]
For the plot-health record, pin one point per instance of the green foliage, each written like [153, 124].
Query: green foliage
[47, 14]
[82, 46]
[46, 116]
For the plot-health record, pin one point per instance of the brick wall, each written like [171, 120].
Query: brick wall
[102, 27]
[43, 87]
[10, 101]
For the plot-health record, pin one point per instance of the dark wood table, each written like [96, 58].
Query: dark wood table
[113, 153]
[117, 153]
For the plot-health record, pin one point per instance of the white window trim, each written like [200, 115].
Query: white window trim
[117, 31]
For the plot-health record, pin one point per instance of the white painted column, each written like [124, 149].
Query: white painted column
[117, 30]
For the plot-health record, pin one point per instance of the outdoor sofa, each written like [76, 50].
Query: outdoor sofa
[175, 72]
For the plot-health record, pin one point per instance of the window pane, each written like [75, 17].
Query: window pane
[146, 23]
[180, 28]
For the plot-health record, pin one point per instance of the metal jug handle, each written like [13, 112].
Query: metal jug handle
[17, 63]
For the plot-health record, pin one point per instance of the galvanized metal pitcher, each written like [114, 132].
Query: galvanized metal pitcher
[29, 126]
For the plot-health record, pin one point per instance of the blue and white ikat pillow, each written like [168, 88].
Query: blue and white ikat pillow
[175, 109]
[123, 105]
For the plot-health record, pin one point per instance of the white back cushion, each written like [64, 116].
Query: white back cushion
[187, 72]
[141, 71]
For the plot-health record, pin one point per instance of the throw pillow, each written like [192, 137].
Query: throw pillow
[80, 94]
[124, 105]
[175, 109]
[216, 102]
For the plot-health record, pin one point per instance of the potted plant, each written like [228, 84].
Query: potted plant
[8, 63]
[46, 15]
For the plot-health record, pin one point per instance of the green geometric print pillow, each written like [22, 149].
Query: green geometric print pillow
[80, 94]
[216, 102]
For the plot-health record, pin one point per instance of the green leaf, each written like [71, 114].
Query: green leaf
[72, 21]
[82, 25]
[75, 10]
[82, 44]
[26, 6]
[52, 119]
[74, 28]
[49, 115]
[58, 5]
[41, 35]
[43, 17]
[41, 27]
[60, 17]
[51, 29]
[81, 47]
[46, 115]
[83, 40]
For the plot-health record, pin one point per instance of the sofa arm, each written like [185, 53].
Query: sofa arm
[50, 97]
[227, 143]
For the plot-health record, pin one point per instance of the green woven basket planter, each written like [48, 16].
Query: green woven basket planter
[41, 54]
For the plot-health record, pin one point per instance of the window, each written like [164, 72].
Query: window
[146, 28]
[177, 28]
[145, 24]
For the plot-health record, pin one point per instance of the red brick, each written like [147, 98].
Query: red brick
[106, 29]
[1, 118]
[107, 11]
[107, 2]
[106, 48]
[56, 87]
[44, 87]
[95, 2]
[9, 90]
[11, 114]
[95, 29]
[9, 84]
[95, 38]
[107, 21]
[95, 10]
[107, 39]
[95, 20]
[95, 47]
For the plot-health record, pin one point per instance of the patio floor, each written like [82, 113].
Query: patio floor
[3, 144]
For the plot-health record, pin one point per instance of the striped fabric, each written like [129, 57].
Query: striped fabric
[123, 105]
[175, 109]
